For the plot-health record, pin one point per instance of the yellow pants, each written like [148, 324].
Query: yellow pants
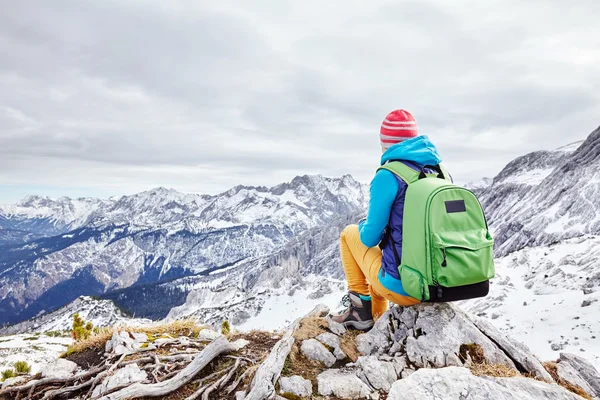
[362, 265]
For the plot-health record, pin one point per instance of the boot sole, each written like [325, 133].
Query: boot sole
[359, 325]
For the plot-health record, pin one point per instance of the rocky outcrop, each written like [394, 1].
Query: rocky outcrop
[59, 369]
[314, 350]
[296, 385]
[427, 351]
[125, 342]
[441, 335]
[455, 383]
[342, 383]
[580, 372]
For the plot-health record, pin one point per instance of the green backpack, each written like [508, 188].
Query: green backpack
[447, 250]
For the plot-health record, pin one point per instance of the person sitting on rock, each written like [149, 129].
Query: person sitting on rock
[371, 250]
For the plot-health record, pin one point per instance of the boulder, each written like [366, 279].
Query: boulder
[336, 327]
[59, 369]
[314, 350]
[433, 335]
[125, 342]
[332, 341]
[296, 385]
[344, 384]
[13, 381]
[579, 372]
[379, 374]
[455, 383]
[124, 376]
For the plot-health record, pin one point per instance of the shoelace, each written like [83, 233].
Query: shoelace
[346, 302]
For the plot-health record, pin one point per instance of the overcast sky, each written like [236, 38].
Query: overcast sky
[102, 98]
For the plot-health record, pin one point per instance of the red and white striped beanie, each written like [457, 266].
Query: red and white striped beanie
[399, 125]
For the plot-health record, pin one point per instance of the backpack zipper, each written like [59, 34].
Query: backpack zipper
[445, 263]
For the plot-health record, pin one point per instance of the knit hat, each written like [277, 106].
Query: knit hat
[399, 125]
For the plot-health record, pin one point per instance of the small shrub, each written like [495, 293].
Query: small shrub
[31, 338]
[53, 333]
[225, 328]
[81, 330]
[22, 367]
[7, 374]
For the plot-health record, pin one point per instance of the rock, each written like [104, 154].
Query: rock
[455, 383]
[240, 344]
[60, 368]
[127, 375]
[518, 352]
[13, 381]
[587, 291]
[400, 365]
[556, 346]
[379, 374]
[586, 303]
[139, 337]
[344, 384]
[239, 317]
[432, 335]
[379, 338]
[584, 370]
[440, 330]
[296, 385]
[336, 327]
[208, 335]
[495, 316]
[314, 350]
[240, 395]
[566, 372]
[529, 284]
[126, 343]
[407, 372]
[333, 341]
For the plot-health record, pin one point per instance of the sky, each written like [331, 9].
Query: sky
[105, 98]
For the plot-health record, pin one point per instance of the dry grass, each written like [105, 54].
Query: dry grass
[348, 345]
[473, 356]
[186, 327]
[310, 328]
[552, 369]
[493, 370]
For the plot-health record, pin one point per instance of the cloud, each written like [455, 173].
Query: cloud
[115, 97]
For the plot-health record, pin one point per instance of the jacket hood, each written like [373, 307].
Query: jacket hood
[419, 150]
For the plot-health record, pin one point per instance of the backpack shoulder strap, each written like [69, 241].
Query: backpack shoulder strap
[401, 170]
[407, 174]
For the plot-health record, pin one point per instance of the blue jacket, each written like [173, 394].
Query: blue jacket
[386, 205]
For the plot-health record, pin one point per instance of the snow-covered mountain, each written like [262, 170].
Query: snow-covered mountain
[545, 197]
[154, 236]
[101, 313]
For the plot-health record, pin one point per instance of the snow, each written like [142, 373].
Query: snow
[290, 196]
[553, 314]
[282, 309]
[36, 350]
[531, 177]
[571, 147]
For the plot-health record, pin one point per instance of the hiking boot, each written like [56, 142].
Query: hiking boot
[358, 315]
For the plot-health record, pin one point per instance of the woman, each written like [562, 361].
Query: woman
[366, 249]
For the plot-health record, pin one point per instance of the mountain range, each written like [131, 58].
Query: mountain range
[260, 257]
[52, 251]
